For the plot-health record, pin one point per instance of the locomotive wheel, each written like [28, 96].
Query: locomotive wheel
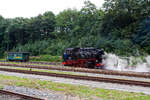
[90, 65]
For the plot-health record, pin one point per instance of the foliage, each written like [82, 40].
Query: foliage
[121, 27]
[142, 37]
[35, 48]
[47, 58]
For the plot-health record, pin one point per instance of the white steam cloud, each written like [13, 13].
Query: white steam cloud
[137, 64]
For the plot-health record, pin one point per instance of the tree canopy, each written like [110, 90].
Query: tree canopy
[120, 26]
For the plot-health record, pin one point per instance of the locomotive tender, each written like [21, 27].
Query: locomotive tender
[83, 57]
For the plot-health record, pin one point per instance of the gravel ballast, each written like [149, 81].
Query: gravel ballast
[9, 97]
[46, 95]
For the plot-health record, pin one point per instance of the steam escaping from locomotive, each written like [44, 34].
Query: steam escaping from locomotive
[136, 64]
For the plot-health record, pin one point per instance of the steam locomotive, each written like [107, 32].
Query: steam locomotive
[83, 57]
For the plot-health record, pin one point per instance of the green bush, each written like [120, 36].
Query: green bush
[46, 58]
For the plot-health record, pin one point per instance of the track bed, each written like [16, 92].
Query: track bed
[8, 95]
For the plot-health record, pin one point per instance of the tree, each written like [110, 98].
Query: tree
[90, 19]
[40, 27]
[122, 13]
[67, 23]
[142, 37]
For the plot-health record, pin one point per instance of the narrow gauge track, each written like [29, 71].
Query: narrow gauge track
[81, 77]
[94, 71]
[34, 62]
[21, 96]
[45, 63]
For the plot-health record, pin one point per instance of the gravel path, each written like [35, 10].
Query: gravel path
[96, 75]
[128, 88]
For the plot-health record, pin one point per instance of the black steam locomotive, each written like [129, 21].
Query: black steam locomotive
[83, 57]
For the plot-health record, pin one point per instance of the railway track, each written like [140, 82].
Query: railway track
[94, 71]
[81, 77]
[46, 63]
[34, 62]
[21, 96]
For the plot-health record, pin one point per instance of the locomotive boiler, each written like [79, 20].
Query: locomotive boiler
[83, 57]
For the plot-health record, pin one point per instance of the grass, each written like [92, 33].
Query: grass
[2, 59]
[1, 87]
[46, 58]
[81, 91]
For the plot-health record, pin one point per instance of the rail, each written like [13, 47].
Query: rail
[23, 96]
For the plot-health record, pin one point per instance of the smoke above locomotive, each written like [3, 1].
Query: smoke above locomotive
[83, 57]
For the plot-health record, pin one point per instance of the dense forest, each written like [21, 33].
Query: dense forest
[120, 26]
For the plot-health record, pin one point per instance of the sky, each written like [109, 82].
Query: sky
[31, 8]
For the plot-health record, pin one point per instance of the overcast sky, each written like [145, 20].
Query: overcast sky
[31, 8]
